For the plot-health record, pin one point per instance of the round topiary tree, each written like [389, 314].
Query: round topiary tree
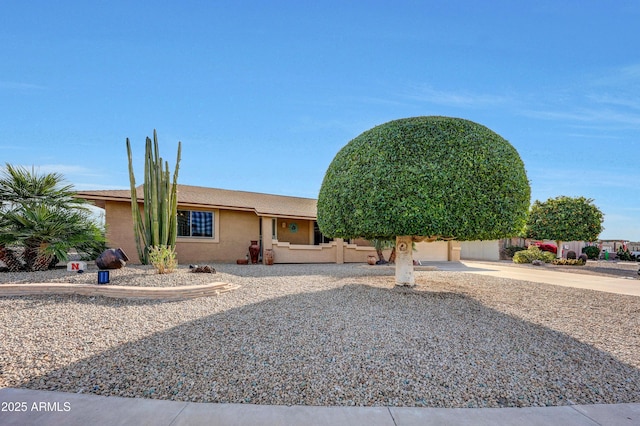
[424, 178]
[565, 219]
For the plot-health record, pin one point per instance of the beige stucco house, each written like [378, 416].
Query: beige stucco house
[218, 225]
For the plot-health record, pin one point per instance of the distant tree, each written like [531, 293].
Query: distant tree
[564, 219]
[41, 220]
[424, 178]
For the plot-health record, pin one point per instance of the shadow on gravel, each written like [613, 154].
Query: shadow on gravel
[335, 270]
[330, 270]
[34, 301]
[355, 345]
[457, 267]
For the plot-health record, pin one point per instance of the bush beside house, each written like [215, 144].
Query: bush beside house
[531, 254]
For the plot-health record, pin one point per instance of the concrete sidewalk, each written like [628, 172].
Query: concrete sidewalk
[545, 275]
[57, 408]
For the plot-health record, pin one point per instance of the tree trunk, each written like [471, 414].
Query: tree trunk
[404, 261]
[392, 256]
[559, 249]
[30, 254]
[42, 262]
[11, 260]
[380, 256]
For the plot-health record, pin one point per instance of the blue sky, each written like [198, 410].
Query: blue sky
[263, 94]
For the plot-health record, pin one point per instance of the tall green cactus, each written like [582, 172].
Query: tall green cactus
[159, 226]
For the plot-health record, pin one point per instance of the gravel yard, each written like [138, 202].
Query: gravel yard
[138, 275]
[328, 335]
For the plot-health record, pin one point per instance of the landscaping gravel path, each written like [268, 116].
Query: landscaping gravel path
[331, 335]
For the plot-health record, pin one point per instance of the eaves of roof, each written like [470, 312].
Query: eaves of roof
[215, 198]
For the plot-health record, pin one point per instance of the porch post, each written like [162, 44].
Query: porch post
[267, 232]
[454, 251]
[339, 250]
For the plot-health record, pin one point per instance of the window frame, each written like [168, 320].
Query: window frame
[201, 238]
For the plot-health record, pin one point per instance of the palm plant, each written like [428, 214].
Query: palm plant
[40, 220]
[383, 244]
[19, 186]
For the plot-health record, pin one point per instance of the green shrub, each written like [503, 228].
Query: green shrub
[592, 252]
[425, 176]
[511, 250]
[625, 255]
[163, 258]
[531, 254]
[572, 262]
[521, 257]
[547, 257]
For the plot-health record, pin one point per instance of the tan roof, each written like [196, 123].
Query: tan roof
[201, 197]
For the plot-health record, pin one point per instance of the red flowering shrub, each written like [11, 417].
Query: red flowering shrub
[546, 247]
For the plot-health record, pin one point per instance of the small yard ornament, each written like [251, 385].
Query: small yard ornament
[204, 269]
[112, 259]
[76, 266]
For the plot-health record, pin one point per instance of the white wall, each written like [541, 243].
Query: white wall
[480, 250]
[437, 251]
[575, 246]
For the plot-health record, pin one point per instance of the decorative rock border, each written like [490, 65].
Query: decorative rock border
[122, 292]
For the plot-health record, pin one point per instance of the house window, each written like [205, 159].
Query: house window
[195, 223]
[318, 238]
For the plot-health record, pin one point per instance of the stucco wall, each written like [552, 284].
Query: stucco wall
[355, 253]
[575, 246]
[284, 252]
[437, 251]
[234, 231]
[120, 229]
[480, 250]
[301, 236]
[361, 242]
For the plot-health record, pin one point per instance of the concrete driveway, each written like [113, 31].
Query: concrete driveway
[544, 274]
